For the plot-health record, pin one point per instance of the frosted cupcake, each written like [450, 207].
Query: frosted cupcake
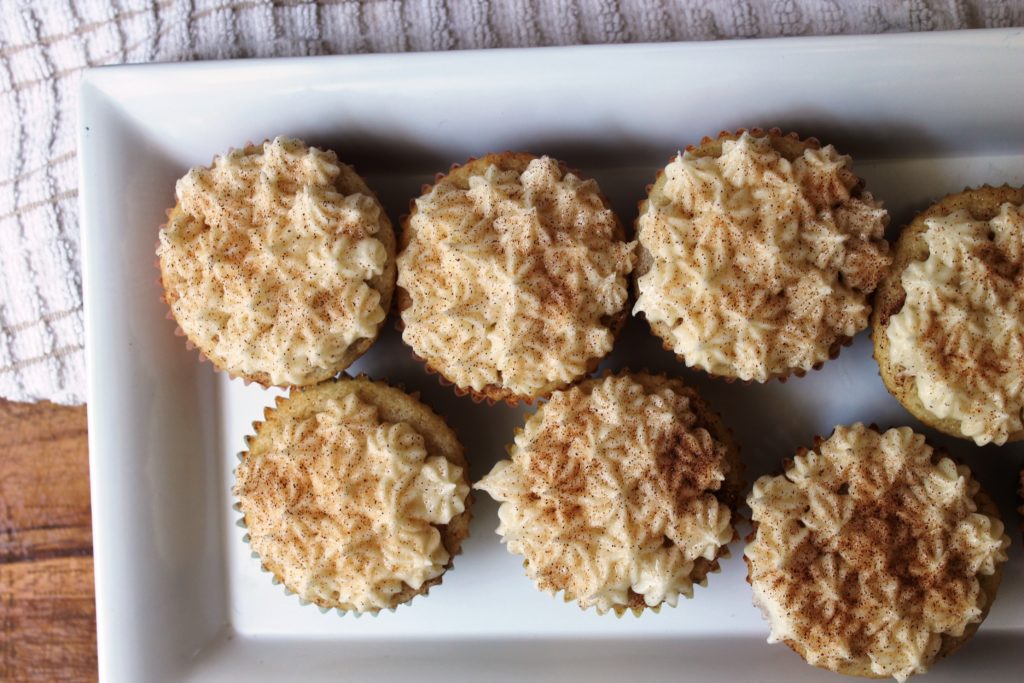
[354, 495]
[873, 555]
[619, 493]
[277, 263]
[512, 277]
[758, 253]
[949, 319]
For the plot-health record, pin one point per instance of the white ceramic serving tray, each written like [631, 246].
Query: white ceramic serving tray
[178, 596]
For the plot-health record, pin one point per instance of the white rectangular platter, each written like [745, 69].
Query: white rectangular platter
[178, 596]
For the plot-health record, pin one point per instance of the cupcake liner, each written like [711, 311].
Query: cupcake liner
[240, 522]
[618, 610]
[834, 349]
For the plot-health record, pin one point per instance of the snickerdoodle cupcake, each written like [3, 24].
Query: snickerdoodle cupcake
[354, 495]
[758, 253]
[948, 325]
[512, 276]
[278, 263]
[619, 492]
[873, 555]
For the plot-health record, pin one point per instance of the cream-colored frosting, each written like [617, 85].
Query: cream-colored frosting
[340, 505]
[867, 552]
[267, 264]
[611, 489]
[511, 280]
[960, 333]
[759, 264]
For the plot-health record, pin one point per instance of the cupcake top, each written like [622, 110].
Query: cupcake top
[868, 552]
[514, 269]
[614, 493]
[757, 255]
[342, 497]
[960, 332]
[277, 262]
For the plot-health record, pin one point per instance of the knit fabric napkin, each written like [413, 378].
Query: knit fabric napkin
[45, 44]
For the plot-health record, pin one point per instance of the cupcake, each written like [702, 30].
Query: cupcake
[619, 493]
[948, 325]
[873, 555]
[512, 277]
[758, 252]
[277, 263]
[354, 495]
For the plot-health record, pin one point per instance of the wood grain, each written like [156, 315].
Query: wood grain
[47, 610]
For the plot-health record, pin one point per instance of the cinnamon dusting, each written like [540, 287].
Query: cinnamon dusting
[760, 263]
[512, 274]
[960, 331]
[346, 508]
[614, 494]
[269, 269]
[868, 551]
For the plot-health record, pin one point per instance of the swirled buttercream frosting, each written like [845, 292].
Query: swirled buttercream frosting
[513, 272]
[868, 551]
[754, 264]
[960, 332]
[268, 268]
[612, 493]
[342, 506]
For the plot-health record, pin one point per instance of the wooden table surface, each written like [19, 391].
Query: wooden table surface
[46, 588]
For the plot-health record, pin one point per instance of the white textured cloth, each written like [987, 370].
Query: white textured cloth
[45, 44]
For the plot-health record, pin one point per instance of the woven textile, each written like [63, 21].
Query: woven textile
[45, 45]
